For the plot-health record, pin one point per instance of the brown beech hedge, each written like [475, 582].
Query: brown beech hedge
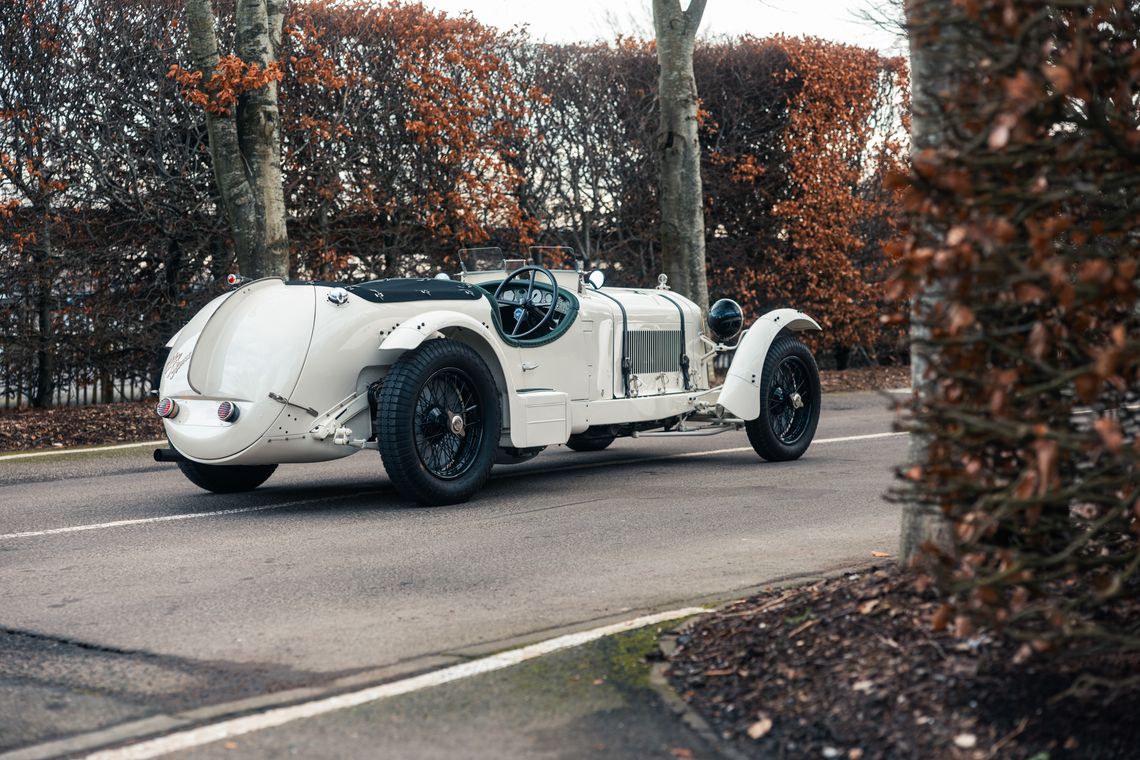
[1024, 229]
[406, 135]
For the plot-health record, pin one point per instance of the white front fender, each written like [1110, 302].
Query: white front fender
[741, 392]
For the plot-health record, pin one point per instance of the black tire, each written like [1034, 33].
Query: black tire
[427, 460]
[221, 478]
[589, 441]
[783, 432]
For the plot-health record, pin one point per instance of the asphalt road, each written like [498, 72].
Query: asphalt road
[324, 577]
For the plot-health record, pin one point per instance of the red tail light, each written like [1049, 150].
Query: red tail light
[227, 411]
[166, 408]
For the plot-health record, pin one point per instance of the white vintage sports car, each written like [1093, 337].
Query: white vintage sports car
[447, 377]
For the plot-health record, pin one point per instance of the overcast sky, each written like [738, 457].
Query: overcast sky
[580, 20]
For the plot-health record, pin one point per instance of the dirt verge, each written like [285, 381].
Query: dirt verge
[65, 427]
[850, 668]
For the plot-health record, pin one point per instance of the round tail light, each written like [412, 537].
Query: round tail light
[227, 411]
[166, 408]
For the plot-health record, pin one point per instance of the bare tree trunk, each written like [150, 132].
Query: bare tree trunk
[45, 351]
[682, 197]
[934, 60]
[245, 144]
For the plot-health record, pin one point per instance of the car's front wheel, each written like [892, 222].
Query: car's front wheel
[437, 423]
[591, 440]
[512, 455]
[219, 478]
[789, 402]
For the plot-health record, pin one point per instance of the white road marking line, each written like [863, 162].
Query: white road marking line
[264, 507]
[115, 447]
[841, 439]
[867, 437]
[171, 518]
[691, 454]
[272, 718]
[57, 452]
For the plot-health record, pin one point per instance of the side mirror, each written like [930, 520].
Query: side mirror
[725, 320]
[596, 278]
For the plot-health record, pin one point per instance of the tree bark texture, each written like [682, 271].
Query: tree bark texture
[681, 194]
[45, 350]
[245, 143]
[935, 59]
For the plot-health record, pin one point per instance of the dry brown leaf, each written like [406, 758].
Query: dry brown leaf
[963, 627]
[1110, 434]
[941, 617]
[760, 728]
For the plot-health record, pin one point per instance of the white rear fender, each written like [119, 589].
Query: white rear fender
[415, 330]
[454, 325]
[195, 325]
[741, 392]
[243, 349]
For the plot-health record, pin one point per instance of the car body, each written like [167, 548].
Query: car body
[448, 376]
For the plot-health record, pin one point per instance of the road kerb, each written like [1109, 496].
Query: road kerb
[226, 729]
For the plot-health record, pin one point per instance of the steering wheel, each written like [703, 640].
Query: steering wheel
[528, 311]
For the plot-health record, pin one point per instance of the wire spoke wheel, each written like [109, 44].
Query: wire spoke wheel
[789, 402]
[789, 409]
[447, 428]
[437, 422]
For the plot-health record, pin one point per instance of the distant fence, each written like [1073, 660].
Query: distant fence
[73, 381]
[93, 343]
[73, 389]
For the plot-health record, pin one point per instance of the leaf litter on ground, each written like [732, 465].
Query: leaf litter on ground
[852, 667]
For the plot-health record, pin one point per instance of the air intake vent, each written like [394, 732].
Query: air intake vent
[655, 350]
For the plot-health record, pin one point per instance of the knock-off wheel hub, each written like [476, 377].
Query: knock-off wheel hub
[455, 423]
[797, 401]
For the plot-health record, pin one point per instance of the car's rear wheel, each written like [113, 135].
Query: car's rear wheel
[220, 478]
[789, 402]
[437, 423]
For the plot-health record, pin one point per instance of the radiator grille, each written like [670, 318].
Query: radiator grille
[655, 350]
